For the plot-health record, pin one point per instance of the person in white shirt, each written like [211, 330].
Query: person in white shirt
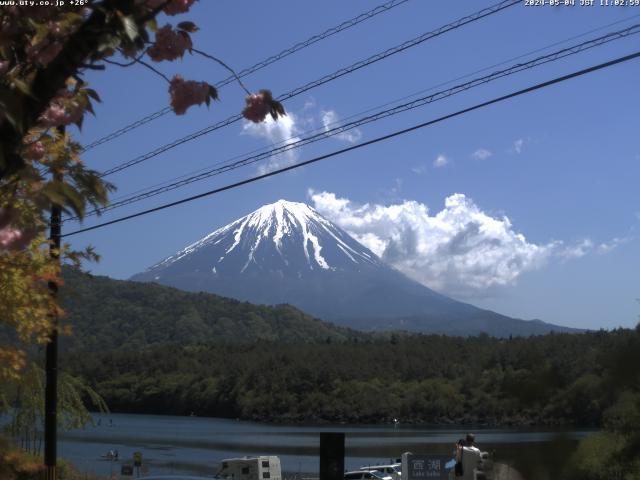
[467, 458]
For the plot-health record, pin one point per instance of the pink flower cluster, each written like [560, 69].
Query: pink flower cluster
[34, 151]
[258, 106]
[63, 110]
[169, 45]
[43, 54]
[11, 238]
[174, 7]
[14, 239]
[185, 93]
[178, 6]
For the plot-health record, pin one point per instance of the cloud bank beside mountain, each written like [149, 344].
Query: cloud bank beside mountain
[460, 250]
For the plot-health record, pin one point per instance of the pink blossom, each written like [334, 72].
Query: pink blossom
[127, 52]
[4, 66]
[53, 116]
[14, 239]
[258, 106]
[35, 151]
[185, 93]
[64, 109]
[169, 45]
[178, 6]
[173, 8]
[44, 54]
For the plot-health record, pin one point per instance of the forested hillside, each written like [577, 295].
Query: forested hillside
[552, 379]
[108, 314]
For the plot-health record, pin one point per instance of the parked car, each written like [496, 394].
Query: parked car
[365, 475]
[392, 470]
[173, 477]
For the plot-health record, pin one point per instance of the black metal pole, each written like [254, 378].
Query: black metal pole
[51, 367]
[331, 455]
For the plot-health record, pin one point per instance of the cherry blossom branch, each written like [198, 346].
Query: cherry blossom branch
[154, 12]
[132, 62]
[224, 65]
[92, 67]
[153, 69]
[40, 137]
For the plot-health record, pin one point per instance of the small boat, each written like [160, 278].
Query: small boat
[111, 455]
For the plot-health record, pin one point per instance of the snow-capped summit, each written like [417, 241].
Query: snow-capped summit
[280, 236]
[286, 252]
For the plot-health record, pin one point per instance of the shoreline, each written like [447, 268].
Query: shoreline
[366, 421]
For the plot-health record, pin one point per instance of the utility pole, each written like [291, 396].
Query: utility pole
[51, 367]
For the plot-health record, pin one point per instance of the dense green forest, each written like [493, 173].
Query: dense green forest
[152, 349]
[544, 380]
[107, 314]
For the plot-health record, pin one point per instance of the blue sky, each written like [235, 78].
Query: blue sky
[529, 207]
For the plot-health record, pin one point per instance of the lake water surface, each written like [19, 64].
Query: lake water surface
[195, 445]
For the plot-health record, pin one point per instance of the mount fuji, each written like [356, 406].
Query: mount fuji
[286, 252]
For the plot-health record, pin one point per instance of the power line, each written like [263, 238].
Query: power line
[478, 106]
[321, 81]
[385, 7]
[371, 109]
[339, 129]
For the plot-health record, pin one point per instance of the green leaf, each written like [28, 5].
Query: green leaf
[89, 108]
[93, 94]
[152, 25]
[22, 86]
[188, 27]
[52, 192]
[130, 27]
[11, 107]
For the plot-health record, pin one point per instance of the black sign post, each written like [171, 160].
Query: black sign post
[331, 456]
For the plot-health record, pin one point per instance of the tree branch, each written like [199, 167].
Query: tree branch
[153, 69]
[220, 62]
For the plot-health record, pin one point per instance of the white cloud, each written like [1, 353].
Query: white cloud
[459, 250]
[330, 120]
[281, 132]
[440, 161]
[517, 146]
[419, 169]
[309, 103]
[614, 243]
[578, 250]
[397, 186]
[587, 246]
[289, 129]
[481, 154]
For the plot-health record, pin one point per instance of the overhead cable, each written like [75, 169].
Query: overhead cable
[397, 133]
[321, 81]
[288, 144]
[385, 7]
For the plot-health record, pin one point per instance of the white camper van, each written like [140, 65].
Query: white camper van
[251, 468]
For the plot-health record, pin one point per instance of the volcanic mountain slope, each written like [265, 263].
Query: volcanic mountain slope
[286, 252]
[107, 314]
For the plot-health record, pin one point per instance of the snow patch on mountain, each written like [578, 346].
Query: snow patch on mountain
[279, 223]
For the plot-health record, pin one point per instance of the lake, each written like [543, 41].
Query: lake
[195, 445]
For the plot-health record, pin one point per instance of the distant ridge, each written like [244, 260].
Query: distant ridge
[108, 314]
[286, 252]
